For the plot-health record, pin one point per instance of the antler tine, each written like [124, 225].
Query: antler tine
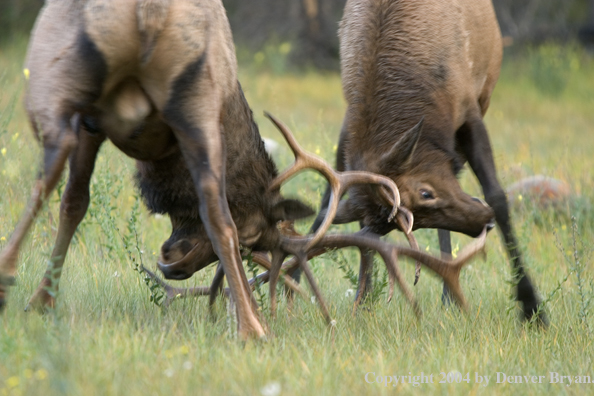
[347, 179]
[339, 181]
[293, 144]
[303, 159]
[406, 224]
[302, 258]
[175, 292]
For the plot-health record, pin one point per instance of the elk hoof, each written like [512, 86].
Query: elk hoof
[532, 308]
[535, 313]
[40, 302]
[7, 280]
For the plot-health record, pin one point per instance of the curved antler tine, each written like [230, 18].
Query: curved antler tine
[391, 260]
[349, 178]
[176, 292]
[303, 159]
[404, 224]
[314, 287]
[330, 214]
[405, 219]
[295, 147]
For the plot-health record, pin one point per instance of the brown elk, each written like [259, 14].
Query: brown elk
[417, 77]
[157, 78]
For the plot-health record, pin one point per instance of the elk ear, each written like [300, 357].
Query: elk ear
[401, 153]
[291, 209]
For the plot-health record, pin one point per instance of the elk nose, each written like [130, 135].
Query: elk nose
[173, 273]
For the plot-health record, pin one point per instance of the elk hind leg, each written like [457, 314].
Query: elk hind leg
[60, 140]
[73, 208]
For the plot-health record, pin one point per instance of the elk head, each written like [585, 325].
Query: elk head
[425, 172]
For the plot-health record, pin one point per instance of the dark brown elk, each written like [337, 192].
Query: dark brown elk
[158, 78]
[417, 78]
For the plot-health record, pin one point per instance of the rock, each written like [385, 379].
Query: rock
[541, 190]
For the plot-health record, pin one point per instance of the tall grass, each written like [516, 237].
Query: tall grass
[106, 337]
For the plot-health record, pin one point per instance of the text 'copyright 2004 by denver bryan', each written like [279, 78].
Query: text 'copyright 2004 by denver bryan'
[456, 377]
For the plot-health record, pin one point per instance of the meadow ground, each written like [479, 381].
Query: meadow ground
[107, 338]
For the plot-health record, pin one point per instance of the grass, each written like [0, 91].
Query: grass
[107, 338]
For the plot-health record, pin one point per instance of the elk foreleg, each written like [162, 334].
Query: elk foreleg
[365, 277]
[75, 202]
[216, 288]
[60, 141]
[445, 247]
[278, 257]
[474, 141]
[193, 112]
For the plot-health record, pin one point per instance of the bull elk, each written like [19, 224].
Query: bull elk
[158, 78]
[417, 77]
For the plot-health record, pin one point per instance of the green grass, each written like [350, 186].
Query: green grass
[106, 337]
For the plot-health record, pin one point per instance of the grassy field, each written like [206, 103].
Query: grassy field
[107, 338]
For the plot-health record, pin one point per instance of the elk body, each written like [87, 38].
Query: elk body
[417, 78]
[157, 78]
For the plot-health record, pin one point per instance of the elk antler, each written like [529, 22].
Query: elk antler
[339, 181]
[259, 258]
[448, 270]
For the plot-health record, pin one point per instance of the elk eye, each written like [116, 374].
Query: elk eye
[427, 194]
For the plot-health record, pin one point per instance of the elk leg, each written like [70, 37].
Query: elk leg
[216, 288]
[445, 246]
[193, 112]
[57, 147]
[365, 277]
[474, 142]
[75, 202]
[278, 256]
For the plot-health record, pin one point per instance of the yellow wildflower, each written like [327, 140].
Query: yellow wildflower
[41, 374]
[27, 73]
[13, 382]
[184, 350]
[3, 151]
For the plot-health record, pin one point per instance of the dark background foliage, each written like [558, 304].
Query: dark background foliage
[311, 25]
